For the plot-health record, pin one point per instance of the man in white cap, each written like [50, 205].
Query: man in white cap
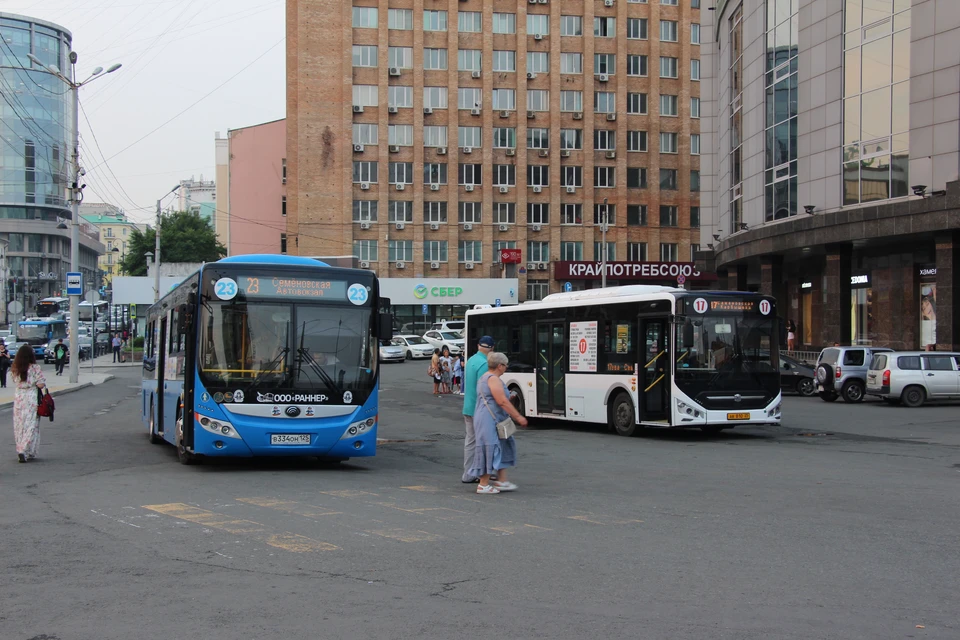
[472, 370]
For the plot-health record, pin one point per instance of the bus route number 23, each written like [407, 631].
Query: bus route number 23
[225, 288]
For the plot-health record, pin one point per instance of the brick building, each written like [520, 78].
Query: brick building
[425, 136]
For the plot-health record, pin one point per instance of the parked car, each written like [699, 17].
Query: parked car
[797, 376]
[414, 346]
[84, 346]
[842, 371]
[913, 377]
[457, 326]
[390, 352]
[439, 339]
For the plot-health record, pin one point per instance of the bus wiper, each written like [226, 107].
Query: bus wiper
[268, 368]
[304, 354]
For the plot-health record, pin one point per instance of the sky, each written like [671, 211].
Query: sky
[174, 53]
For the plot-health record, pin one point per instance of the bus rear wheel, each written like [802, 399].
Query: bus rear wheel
[183, 456]
[622, 419]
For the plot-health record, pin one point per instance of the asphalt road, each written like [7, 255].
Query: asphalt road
[843, 523]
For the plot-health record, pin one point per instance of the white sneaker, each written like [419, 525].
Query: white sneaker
[505, 486]
[487, 488]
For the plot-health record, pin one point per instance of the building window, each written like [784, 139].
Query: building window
[400, 97]
[672, 3]
[283, 207]
[571, 26]
[611, 251]
[694, 69]
[365, 172]
[637, 104]
[435, 60]
[605, 63]
[469, 212]
[504, 138]
[537, 289]
[636, 140]
[400, 251]
[571, 63]
[538, 175]
[637, 251]
[470, 251]
[364, 17]
[694, 217]
[400, 134]
[400, 211]
[364, 134]
[694, 33]
[571, 176]
[435, 97]
[365, 95]
[283, 243]
[636, 65]
[668, 105]
[400, 173]
[401, 57]
[636, 177]
[364, 55]
[636, 215]
[470, 22]
[504, 23]
[604, 177]
[571, 251]
[469, 174]
[604, 102]
[435, 212]
[668, 31]
[434, 173]
[571, 214]
[538, 138]
[365, 250]
[668, 67]
[434, 20]
[780, 190]
[694, 107]
[604, 27]
[695, 180]
[668, 179]
[694, 250]
[571, 138]
[571, 101]
[504, 175]
[668, 142]
[469, 137]
[469, 98]
[538, 213]
[504, 100]
[538, 100]
[636, 28]
[538, 23]
[605, 212]
[399, 19]
[538, 251]
[668, 252]
[668, 216]
[736, 115]
[504, 213]
[539, 62]
[469, 60]
[435, 251]
[365, 210]
[505, 61]
[502, 244]
[604, 140]
[435, 136]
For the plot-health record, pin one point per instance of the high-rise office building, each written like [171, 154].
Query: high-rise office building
[425, 136]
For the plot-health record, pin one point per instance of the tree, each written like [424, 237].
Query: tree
[184, 237]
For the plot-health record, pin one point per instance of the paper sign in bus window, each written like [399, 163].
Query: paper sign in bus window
[583, 347]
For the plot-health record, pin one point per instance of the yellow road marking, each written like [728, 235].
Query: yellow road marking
[281, 540]
[289, 506]
[406, 536]
[421, 487]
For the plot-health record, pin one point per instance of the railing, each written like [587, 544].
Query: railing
[810, 357]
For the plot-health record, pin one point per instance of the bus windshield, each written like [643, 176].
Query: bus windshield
[28, 332]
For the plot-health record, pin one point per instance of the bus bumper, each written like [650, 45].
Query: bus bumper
[304, 438]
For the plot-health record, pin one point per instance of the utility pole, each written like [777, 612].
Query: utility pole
[75, 225]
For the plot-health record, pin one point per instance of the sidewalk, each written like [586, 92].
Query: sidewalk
[58, 385]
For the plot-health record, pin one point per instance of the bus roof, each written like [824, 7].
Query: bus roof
[269, 258]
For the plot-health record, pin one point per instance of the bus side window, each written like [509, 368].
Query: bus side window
[172, 330]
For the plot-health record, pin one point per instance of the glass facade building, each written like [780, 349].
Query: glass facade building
[780, 169]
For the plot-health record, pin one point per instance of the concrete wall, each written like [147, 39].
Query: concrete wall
[256, 188]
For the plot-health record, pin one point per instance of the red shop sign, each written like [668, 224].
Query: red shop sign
[510, 256]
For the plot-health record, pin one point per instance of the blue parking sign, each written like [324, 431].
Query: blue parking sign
[496, 302]
[424, 309]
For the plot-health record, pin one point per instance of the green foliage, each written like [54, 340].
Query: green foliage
[184, 237]
[138, 341]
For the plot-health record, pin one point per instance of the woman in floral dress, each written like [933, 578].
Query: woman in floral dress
[26, 375]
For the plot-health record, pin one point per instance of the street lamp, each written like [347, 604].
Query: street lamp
[604, 223]
[76, 191]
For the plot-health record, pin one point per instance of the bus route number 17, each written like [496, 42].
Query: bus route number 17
[700, 305]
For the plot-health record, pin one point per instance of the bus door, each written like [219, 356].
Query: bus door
[160, 351]
[551, 366]
[655, 373]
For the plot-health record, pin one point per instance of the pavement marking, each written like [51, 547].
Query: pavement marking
[281, 540]
[421, 487]
[290, 506]
[406, 536]
[595, 519]
[347, 493]
[509, 530]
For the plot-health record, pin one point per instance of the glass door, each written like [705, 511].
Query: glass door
[655, 383]
[551, 367]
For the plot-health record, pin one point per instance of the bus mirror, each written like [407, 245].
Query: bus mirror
[183, 320]
[192, 299]
[687, 335]
[385, 328]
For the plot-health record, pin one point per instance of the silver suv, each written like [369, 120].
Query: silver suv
[842, 371]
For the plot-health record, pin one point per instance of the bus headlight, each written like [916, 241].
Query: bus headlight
[774, 412]
[359, 428]
[688, 412]
[218, 427]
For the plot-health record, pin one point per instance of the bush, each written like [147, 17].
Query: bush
[138, 341]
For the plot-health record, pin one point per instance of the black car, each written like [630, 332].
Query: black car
[797, 376]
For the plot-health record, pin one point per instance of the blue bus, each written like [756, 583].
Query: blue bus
[37, 333]
[266, 355]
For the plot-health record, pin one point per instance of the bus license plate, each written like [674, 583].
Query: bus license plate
[290, 438]
[738, 416]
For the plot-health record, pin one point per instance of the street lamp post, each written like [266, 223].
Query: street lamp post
[75, 192]
[603, 245]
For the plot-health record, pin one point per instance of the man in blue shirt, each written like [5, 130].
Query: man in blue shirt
[475, 367]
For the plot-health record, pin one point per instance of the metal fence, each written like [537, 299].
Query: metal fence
[810, 357]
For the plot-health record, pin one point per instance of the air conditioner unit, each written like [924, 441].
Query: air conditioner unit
[504, 189]
[511, 152]
[468, 187]
[535, 227]
[392, 109]
[608, 3]
[394, 71]
[364, 264]
[400, 186]
[541, 266]
[611, 116]
[434, 187]
[537, 188]
[394, 148]
[467, 226]
[474, 74]
[434, 226]
[543, 1]
[427, 110]
[533, 1]
[468, 150]
[571, 189]
[468, 266]
[364, 186]
[474, 112]
[533, 76]
[401, 265]
[611, 155]
[602, 77]
[504, 114]
[531, 114]
[538, 36]
[441, 151]
[531, 266]
[434, 265]
[364, 225]
[544, 153]
[357, 108]
[504, 227]
[564, 153]
[358, 148]
[578, 115]
[400, 226]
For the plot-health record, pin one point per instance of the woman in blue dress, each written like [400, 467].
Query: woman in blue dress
[493, 455]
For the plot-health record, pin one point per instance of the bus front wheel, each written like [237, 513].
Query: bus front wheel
[154, 438]
[622, 418]
[183, 456]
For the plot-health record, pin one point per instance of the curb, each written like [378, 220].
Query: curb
[62, 392]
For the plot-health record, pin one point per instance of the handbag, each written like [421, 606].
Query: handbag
[506, 427]
[45, 405]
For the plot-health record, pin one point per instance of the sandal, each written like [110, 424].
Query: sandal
[487, 488]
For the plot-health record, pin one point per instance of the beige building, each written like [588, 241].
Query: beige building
[115, 231]
[425, 137]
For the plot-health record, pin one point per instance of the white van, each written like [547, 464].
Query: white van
[449, 325]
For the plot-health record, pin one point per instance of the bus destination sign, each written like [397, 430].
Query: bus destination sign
[292, 287]
[702, 305]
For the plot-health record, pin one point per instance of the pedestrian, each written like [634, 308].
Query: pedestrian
[4, 364]
[59, 356]
[434, 371]
[116, 347]
[475, 367]
[25, 373]
[494, 455]
[446, 370]
[458, 374]
[791, 335]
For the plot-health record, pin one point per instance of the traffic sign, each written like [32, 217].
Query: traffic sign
[74, 283]
[681, 279]
[568, 286]
[15, 307]
[423, 309]
[496, 302]
[92, 297]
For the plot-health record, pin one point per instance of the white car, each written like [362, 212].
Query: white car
[390, 352]
[414, 346]
[440, 339]
[914, 377]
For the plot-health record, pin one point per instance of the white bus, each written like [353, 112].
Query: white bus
[640, 356]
